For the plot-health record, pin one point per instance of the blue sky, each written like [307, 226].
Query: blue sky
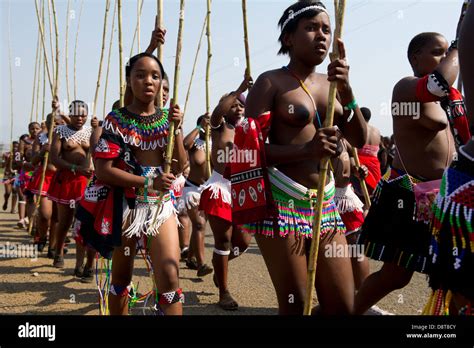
[377, 33]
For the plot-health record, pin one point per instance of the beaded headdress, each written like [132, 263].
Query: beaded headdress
[293, 15]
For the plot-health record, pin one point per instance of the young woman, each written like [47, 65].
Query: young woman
[45, 211]
[9, 178]
[26, 172]
[195, 143]
[120, 204]
[425, 146]
[216, 199]
[69, 155]
[452, 243]
[296, 96]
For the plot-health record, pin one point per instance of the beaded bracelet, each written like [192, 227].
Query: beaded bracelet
[145, 189]
[351, 106]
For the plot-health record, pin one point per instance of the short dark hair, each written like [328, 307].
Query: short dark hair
[33, 124]
[419, 42]
[23, 137]
[116, 105]
[198, 122]
[132, 61]
[293, 24]
[15, 142]
[75, 105]
[366, 113]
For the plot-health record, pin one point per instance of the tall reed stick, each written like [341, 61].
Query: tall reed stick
[340, 6]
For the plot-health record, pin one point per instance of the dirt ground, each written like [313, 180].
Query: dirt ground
[33, 286]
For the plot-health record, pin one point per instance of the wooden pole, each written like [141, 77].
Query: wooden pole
[51, 126]
[246, 38]
[11, 78]
[56, 31]
[339, 5]
[139, 13]
[40, 61]
[177, 66]
[137, 30]
[104, 32]
[50, 20]
[159, 24]
[208, 102]
[34, 80]
[67, 54]
[122, 89]
[44, 63]
[12, 155]
[194, 65]
[363, 185]
[45, 55]
[174, 101]
[108, 59]
[75, 49]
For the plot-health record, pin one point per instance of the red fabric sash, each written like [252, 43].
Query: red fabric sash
[373, 165]
[457, 116]
[250, 187]
[453, 104]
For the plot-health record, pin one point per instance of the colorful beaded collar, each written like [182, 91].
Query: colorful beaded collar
[145, 132]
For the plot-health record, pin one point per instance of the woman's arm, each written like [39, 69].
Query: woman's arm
[110, 175]
[226, 103]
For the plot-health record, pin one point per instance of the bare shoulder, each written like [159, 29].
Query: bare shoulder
[402, 86]
[272, 77]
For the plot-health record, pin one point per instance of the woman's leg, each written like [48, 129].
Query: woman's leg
[122, 270]
[14, 199]
[30, 206]
[240, 242]
[6, 196]
[198, 221]
[360, 263]
[45, 211]
[222, 231]
[65, 217]
[165, 254]
[334, 278]
[286, 264]
[379, 284]
[80, 253]
[184, 231]
[21, 208]
[53, 229]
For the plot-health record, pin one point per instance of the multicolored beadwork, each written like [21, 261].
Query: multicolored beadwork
[145, 132]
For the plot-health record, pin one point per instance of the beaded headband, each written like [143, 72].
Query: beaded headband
[292, 15]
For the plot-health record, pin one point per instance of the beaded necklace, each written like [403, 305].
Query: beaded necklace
[76, 136]
[201, 144]
[145, 132]
[43, 138]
